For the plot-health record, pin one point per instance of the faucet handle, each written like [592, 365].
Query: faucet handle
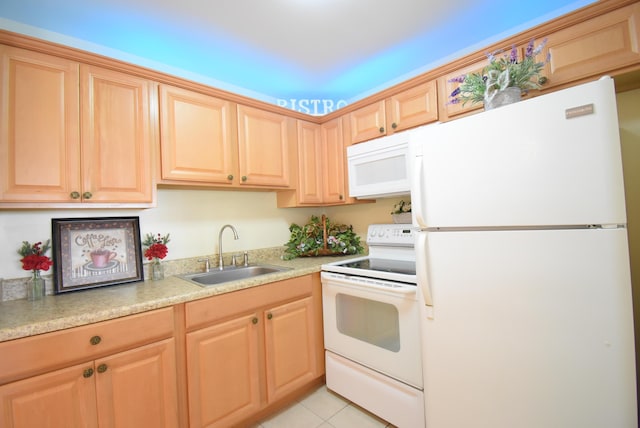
[207, 266]
[246, 258]
[233, 260]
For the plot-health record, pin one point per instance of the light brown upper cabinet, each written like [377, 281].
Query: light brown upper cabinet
[446, 87]
[321, 166]
[266, 148]
[117, 134]
[404, 110]
[334, 157]
[197, 138]
[73, 133]
[598, 46]
[310, 163]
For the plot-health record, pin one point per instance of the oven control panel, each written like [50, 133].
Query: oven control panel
[391, 235]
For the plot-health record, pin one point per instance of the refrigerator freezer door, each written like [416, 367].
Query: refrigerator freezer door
[525, 164]
[529, 329]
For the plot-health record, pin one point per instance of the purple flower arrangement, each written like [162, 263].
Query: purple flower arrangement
[502, 72]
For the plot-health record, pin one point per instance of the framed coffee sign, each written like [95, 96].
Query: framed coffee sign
[95, 252]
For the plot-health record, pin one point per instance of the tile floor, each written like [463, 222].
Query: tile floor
[323, 409]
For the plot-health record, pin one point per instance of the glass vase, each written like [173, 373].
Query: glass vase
[156, 270]
[35, 286]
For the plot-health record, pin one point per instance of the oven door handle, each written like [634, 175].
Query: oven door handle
[366, 283]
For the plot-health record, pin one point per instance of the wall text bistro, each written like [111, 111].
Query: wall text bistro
[316, 107]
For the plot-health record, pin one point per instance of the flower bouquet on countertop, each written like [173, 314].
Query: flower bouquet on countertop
[156, 250]
[34, 260]
[155, 246]
[320, 237]
[33, 257]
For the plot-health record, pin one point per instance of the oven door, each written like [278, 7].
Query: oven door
[374, 323]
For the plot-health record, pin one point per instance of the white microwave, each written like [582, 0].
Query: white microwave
[380, 168]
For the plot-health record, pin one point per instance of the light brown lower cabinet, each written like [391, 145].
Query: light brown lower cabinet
[245, 352]
[135, 387]
[249, 349]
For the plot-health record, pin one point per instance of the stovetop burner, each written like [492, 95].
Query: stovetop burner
[383, 265]
[391, 255]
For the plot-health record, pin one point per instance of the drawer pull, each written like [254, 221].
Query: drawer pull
[102, 368]
[95, 340]
[87, 373]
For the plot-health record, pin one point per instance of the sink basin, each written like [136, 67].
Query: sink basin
[217, 277]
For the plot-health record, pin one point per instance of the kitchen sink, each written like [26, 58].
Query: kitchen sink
[218, 277]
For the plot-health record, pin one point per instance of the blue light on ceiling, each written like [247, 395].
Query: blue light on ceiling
[215, 59]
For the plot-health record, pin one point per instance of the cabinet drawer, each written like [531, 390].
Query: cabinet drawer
[36, 354]
[216, 308]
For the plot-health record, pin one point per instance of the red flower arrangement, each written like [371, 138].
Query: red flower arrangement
[156, 246]
[33, 257]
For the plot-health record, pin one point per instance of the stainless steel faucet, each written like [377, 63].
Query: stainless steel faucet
[235, 236]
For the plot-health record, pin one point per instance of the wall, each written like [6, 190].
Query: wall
[193, 218]
[629, 118]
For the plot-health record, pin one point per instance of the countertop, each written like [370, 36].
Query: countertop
[22, 318]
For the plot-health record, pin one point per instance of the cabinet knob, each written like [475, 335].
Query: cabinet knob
[244, 178]
[381, 130]
[394, 125]
[95, 340]
[87, 195]
[341, 197]
[102, 368]
[269, 315]
[254, 320]
[542, 80]
[230, 177]
[75, 195]
[87, 373]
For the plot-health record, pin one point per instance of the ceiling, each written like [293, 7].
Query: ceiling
[274, 50]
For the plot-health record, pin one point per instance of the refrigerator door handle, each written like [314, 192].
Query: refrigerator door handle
[421, 269]
[416, 196]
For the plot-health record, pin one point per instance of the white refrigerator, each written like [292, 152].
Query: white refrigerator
[523, 266]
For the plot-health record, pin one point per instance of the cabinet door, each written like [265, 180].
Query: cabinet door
[63, 398]
[290, 347]
[223, 369]
[138, 388]
[367, 122]
[600, 45]
[334, 159]
[448, 111]
[413, 107]
[310, 163]
[264, 141]
[117, 136]
[196, 137]
[40, 131]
